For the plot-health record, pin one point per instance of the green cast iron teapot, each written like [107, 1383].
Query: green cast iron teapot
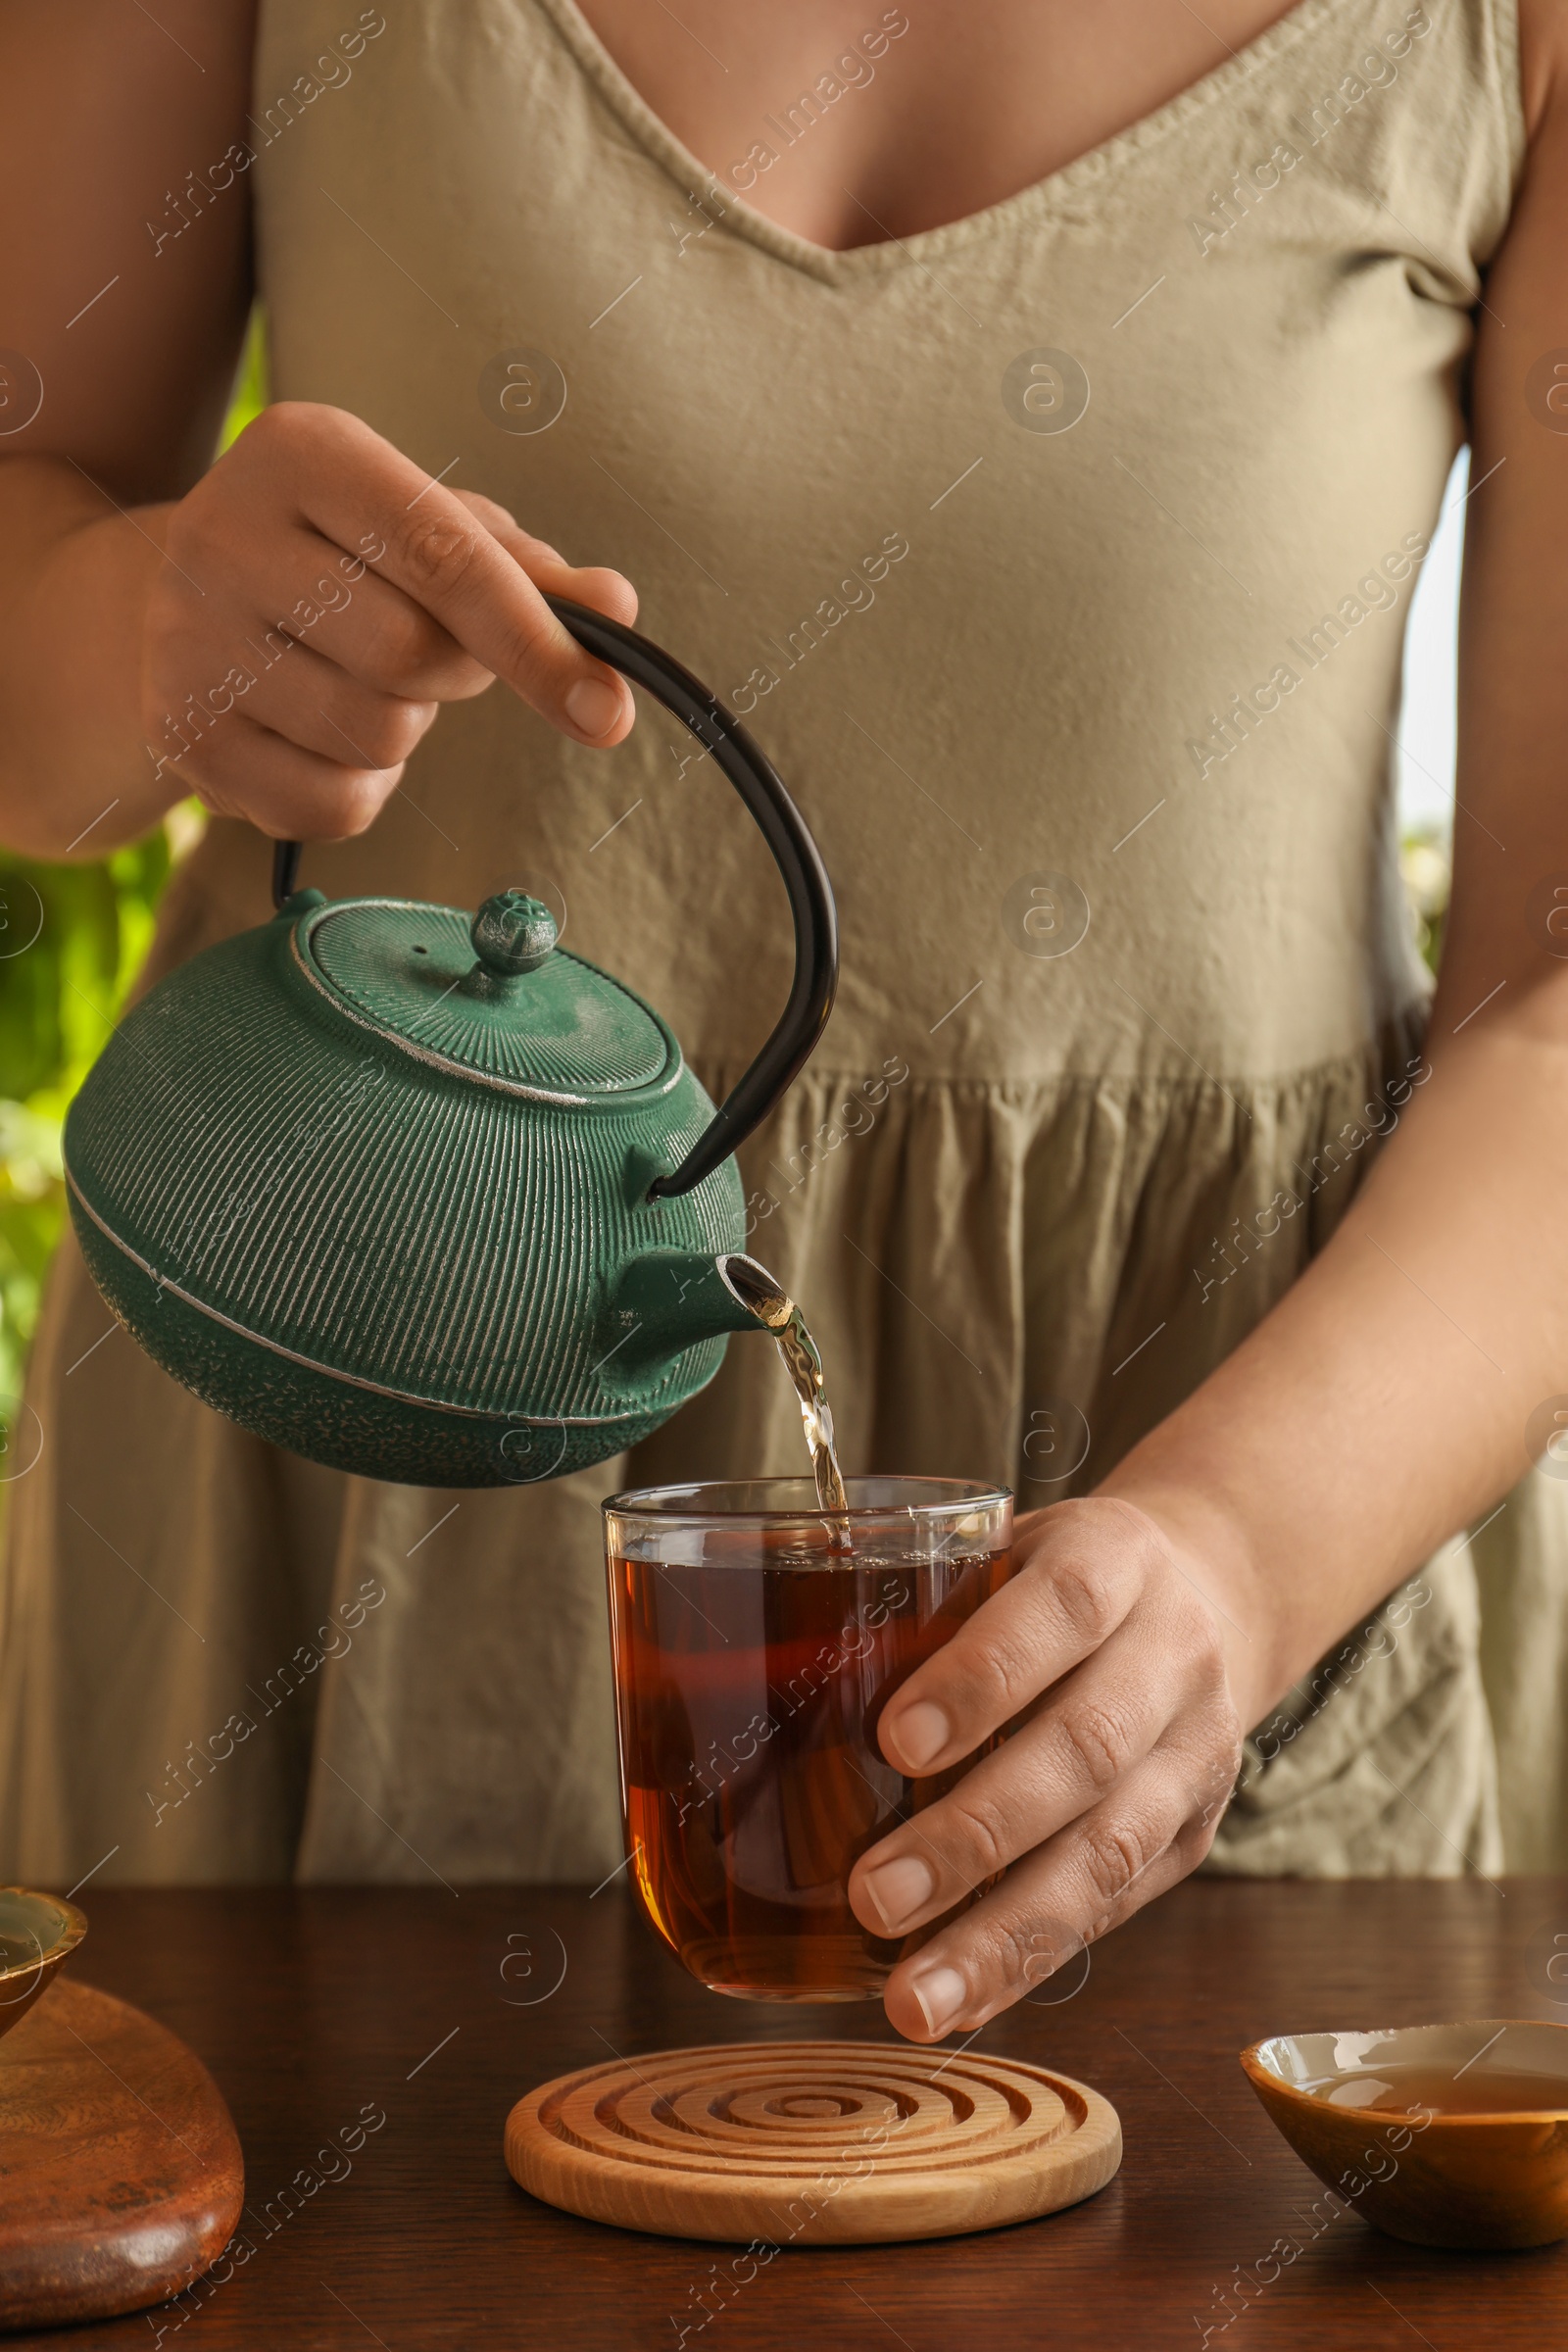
[422, 1195]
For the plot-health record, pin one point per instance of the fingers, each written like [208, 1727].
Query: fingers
[325, 596]
[287, 791]
[374, 631]
[1076, 1887]
[361, 494]
[1102, 1661]
[1083, 1567]
[313, 703]
[1097, 1725]
[602, 590]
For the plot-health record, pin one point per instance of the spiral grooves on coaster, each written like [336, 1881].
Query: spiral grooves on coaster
[813, 2141]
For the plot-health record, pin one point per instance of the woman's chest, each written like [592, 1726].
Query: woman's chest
[851, 123]
[1011, 542]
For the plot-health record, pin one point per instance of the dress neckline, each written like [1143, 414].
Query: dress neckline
[1040, 198]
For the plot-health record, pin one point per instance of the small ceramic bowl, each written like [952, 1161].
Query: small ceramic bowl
[37, 1933]
[1365, 2111]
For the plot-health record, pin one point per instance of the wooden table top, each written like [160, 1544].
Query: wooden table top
[371, 2042]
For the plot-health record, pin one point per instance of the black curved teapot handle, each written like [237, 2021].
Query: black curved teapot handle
[794, 853]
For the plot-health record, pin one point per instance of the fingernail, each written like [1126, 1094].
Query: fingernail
[593, 705]
[921, 1732]
[898, 1888]
[941, 1993]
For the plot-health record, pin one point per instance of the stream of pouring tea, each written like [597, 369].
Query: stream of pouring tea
[799, 1355]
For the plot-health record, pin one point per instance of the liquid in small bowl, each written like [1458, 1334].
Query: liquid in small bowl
[1443, 2136]
[1411, 2087]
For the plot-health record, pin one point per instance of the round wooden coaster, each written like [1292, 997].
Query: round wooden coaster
[120, 2175]
[812, 2142]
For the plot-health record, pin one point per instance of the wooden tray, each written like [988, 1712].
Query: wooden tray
[120, 2175]
[812, 2142]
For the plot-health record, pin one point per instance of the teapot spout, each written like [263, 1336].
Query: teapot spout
[667, 1301]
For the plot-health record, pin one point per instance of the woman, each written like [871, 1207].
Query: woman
[1034, 426]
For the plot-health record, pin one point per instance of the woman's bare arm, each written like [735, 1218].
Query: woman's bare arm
[1387, 1400]
[133, 572]
[133, 385]
[1385, 1403]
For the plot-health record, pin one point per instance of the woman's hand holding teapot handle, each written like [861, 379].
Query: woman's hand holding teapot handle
[321, 597]
[1111, 1654]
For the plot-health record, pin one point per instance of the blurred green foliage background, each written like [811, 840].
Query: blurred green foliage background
[71, 941]
[72, 938]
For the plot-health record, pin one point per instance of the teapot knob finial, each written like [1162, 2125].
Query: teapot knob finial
[513, 933]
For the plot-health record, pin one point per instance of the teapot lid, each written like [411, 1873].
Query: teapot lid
[490, 996]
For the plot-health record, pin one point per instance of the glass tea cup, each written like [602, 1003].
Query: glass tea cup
[756, 1641]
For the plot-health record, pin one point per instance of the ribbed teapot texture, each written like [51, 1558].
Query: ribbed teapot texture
[372, 1194]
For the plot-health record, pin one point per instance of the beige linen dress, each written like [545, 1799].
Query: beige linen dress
[1060, 559]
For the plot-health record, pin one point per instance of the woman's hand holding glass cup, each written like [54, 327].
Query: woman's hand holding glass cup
[907, 1752]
